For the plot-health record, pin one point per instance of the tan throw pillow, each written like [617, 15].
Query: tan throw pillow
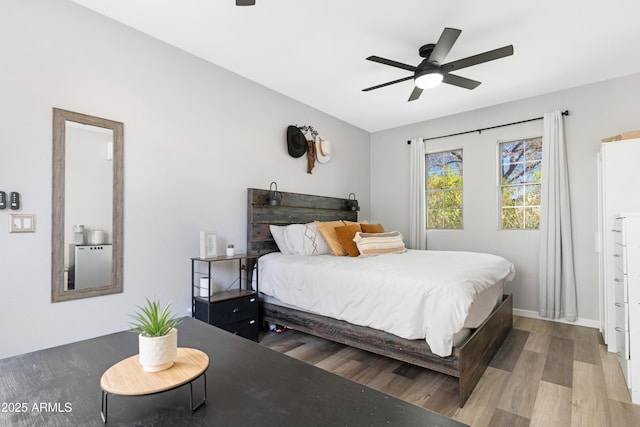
[345, 237]
[327, 230]
[372, 228]
[379, 243]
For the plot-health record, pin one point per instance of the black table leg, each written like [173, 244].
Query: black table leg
[103, 409]
[191, 393]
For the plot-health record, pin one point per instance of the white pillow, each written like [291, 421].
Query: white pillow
[277, 232]
[305, 239]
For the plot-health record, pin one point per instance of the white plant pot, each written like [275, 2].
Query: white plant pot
[158, 353]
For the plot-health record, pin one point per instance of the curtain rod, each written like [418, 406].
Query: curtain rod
[564, 113]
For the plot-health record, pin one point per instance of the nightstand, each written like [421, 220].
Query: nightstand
[234, 310]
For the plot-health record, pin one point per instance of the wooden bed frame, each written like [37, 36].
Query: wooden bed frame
[467, 362]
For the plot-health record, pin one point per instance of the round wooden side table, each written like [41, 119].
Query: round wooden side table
[127, 378]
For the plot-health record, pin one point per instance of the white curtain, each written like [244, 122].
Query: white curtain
[557, 285]
[417, 207]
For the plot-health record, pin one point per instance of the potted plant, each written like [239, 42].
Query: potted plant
[157, 336]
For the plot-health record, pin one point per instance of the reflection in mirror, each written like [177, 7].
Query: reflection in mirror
[87, 206]
[88, 177]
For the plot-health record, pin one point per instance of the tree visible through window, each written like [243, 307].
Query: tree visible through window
[520, 184]
[444, 189]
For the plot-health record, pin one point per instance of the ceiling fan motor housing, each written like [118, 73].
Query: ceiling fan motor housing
[427, 67]
[425, 51]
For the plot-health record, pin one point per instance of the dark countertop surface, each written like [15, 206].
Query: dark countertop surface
[247, 385]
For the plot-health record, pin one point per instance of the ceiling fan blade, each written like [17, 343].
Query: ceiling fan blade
[478, 59]
[444, 45]
[464, 82]
[404, 79]
[245, 2]
[415, 94]
[391, 63]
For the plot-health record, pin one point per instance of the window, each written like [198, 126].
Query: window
[520, 178]
[444, 190]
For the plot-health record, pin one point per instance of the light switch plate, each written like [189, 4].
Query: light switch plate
[22, 223]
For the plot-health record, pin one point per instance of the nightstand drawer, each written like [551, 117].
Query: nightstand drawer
[230, 310]
[247, 328]
[235, 310]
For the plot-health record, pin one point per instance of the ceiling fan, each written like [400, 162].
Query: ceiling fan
[431, 71]
[245, 2]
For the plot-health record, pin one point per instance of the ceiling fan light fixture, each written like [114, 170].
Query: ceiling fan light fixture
[429, 79]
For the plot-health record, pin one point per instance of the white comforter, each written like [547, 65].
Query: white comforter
[417, 294]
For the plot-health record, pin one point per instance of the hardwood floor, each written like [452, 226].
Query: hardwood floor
[546, 374]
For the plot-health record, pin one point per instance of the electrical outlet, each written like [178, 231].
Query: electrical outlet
[23, 223]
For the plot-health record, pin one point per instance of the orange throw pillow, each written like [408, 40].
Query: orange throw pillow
[372, 228]
[345, 235]
[328, 231]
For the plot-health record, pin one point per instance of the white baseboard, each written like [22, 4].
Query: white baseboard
[589, 323]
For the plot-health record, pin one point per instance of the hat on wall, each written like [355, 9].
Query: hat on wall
[296, 142]
[323, 150]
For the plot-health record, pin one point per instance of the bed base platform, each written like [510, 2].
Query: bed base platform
[467, 362]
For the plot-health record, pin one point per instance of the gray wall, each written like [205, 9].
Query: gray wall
[196, 136]
[596, 111]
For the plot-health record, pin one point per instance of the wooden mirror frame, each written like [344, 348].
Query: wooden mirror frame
[58, 292]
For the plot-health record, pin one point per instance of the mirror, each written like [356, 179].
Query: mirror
[87, 206]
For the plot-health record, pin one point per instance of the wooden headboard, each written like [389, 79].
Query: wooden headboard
[295, 209]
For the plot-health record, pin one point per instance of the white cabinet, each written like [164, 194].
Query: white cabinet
[619, 261]
[627, 298]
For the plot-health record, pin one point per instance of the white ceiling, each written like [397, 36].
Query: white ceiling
[314, 50]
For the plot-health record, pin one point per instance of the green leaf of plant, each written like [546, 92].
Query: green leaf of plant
[153, 321]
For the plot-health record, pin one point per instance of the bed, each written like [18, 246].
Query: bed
[470, 354]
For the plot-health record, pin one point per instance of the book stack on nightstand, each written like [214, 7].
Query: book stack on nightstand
[234, 310]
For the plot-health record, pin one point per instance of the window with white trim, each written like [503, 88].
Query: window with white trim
[444, 189]
[520, 184]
